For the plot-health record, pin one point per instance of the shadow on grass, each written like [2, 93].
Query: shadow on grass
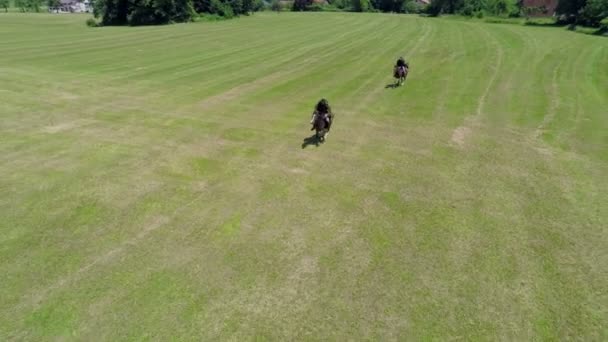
[311, 140]
[542, 24]
[394, 85]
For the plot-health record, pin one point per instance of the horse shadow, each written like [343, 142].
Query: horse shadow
[391, 86]
[311, 140]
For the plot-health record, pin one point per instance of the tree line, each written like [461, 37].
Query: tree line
[149, 12]
[592, 13]
[397, 6]
[583, 12]
[580, 12]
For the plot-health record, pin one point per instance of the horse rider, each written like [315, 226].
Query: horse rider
[322, 110]
[401, 64]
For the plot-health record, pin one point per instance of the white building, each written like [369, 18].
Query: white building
[73, 6]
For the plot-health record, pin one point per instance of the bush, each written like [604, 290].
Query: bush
[541, 22]
[28, 5]
[342, 4]
[360, 5]
[309, 5]
[221, 8]
[479, 14]
[276, 6]
[515, 13]
[411, 7]
[258, 5]
[330, 8]
[211, 17]
[470, 7]
[91, 22]
[314, 8]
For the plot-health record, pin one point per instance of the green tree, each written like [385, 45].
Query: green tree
[444, 6]
[143, 12]
[4, 4]
[227, 8]
[410, 6]
[53, 3]
[343, 4]
[237, 6]
[34, 5]
[259, 5]
[301, 5]
[519, 5]
[454, 6]
[594, 12]
[570, 9]
[112, 12]
[21, 5]
[360, 5]
[386, 5]
[276, 6]
[471, 7]
[248, 6]
[496, 7]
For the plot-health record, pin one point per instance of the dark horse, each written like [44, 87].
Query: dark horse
[400, 73]
[321, 126]
[321, 121]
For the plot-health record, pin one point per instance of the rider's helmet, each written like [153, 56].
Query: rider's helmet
[323, 106]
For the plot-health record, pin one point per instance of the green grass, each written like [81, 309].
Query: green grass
[153, 184]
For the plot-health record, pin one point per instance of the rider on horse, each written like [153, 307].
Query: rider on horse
[401, 65]
[322, 111]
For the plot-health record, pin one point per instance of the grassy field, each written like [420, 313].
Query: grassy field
[154, 186]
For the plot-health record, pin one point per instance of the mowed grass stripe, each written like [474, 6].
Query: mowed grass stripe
[114, 35]
[320, 80]
[301, 62]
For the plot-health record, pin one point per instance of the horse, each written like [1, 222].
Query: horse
[321, 126]
[400, 73]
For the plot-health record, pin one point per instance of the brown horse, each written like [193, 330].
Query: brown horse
[321, 126]
[400, 74]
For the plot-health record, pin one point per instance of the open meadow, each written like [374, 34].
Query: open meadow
[156, 184]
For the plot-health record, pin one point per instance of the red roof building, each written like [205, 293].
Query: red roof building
[540, 8]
